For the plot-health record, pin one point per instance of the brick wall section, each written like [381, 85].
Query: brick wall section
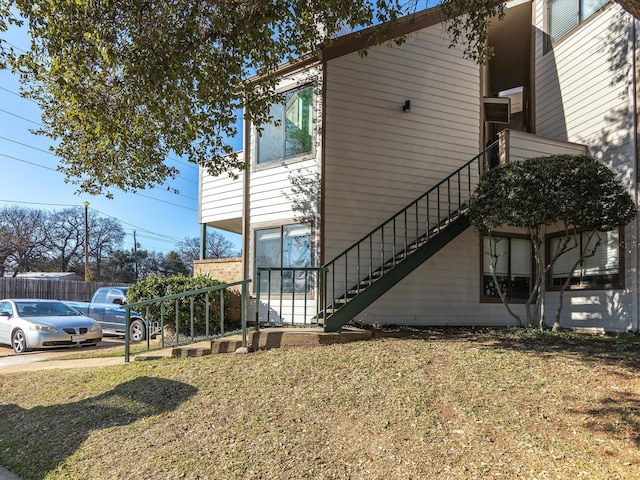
[228, 270]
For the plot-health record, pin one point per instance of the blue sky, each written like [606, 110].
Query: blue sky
[159, 217]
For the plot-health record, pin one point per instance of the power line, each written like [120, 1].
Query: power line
[28, 162]
[21, 118]
[154, 235]
[51, 153]
[57, 171]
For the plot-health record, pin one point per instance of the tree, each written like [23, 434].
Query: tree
[216, 246]
[105, 238]
[122, 84]
[570, 193]
[65, 237]
[23, 238]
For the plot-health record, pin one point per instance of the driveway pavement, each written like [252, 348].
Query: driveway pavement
[50, 359]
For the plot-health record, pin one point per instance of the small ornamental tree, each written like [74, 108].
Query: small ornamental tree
[574, 194]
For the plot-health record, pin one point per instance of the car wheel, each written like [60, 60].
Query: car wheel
[19, 341]
[137, 331]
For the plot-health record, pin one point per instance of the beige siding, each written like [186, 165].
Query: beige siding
[583, 86]
[379, 158]
[515, 145]
[584, 95]
[445, 290]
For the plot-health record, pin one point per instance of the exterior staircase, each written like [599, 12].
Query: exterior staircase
[359, 275]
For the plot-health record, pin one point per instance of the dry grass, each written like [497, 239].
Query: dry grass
[451, 404]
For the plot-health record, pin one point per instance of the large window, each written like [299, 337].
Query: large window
[512, 259]
[290, 133]
[286, 246]
[599, 268]
[564, 15]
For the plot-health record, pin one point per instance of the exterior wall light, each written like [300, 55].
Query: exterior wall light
[407, 106]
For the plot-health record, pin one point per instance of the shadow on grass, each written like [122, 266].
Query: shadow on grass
[618, 414]
[34, 441]
[621, 350]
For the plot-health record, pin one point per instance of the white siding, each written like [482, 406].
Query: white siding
[379, 158]
[584, 94]
[273, 200]
[221, 200]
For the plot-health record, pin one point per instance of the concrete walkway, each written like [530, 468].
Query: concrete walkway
[266, 338]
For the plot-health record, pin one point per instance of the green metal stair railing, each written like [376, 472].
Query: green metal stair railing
[359, 275]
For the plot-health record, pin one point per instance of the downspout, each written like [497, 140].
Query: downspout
[635, 315]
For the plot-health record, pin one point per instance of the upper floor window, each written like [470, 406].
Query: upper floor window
[290, 133]
[600, 267]
[512, 260]
[564, 15]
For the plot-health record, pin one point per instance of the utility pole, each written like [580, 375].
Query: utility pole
[135, 253]
[86, 241]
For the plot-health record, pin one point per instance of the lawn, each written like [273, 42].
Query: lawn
[441, 404]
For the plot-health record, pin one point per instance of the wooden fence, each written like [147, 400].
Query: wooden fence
[73, 290]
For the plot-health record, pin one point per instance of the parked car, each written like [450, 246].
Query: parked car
[106, 309]
[29, 323]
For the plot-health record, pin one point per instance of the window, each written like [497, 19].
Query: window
[290, 134]
[5, 307]
[600, 269]
[564, 15]
[287, 246]
[513, 261]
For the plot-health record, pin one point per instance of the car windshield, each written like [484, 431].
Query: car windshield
[45, 309]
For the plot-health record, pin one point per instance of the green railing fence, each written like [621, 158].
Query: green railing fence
[294, 290]
[189, 322]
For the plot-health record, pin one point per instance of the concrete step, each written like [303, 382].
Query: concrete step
[266, 338]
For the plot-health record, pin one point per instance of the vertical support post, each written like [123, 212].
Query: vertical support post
[206, 314]
[127, 335]
[162, 324]
[258, 273]
[203, 241]
[293, 296]
[243, 315]
[191, 315]
[221, 311]
[176, 305]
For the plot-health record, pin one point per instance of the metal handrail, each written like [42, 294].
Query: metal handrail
[220, 289]
[308, 291]
[398, 225]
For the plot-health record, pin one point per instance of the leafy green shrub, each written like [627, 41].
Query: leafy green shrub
[155, 287]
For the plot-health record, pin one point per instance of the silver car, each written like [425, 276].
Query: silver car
[28, 323]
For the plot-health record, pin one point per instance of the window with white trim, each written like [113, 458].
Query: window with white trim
[599, 269]
[512, 258]
[565, 15]
[291, 132]
[286, 246]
